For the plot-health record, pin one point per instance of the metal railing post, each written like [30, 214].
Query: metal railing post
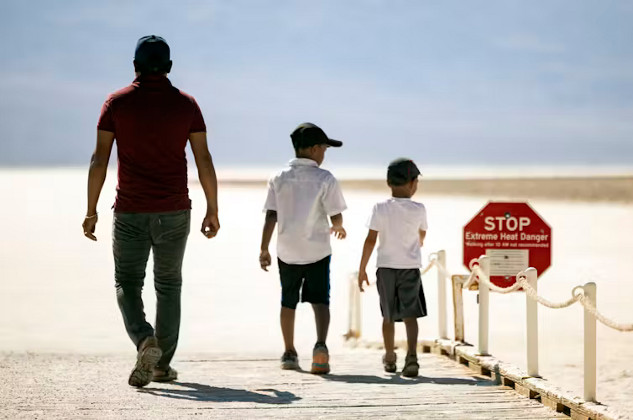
[590, 345]
[484, 294]
[531, 306]
[441, 293]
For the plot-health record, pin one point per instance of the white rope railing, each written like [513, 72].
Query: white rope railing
[577, 296]
[527, 280]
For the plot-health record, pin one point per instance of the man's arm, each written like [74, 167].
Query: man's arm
[267, 234]
[96, 178]
[368, 248]
[422, 234]
[208, 180]
[337, 226]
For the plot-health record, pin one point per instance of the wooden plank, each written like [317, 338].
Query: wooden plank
[525, 391]
[575, 415]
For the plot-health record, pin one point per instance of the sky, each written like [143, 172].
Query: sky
[443, 82]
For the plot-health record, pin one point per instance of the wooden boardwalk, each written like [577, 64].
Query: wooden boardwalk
[45, 386]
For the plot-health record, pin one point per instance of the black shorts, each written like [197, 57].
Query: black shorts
[401, 293]
[313, 280]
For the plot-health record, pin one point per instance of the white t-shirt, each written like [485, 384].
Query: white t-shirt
[303, 196]
[398, 221]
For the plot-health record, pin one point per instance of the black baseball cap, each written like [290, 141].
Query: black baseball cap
[308, 135]
[402, 171]
[152, 55]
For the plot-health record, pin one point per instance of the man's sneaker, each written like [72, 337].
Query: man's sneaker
[167, 375]
[320, 359]
[148, 355]
[411, 366]
[389, 363]
[289, 360]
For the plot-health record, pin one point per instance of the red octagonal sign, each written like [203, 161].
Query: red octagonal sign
[513, 236]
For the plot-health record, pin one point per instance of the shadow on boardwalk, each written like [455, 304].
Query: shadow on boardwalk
[399, 380]
[201, 392]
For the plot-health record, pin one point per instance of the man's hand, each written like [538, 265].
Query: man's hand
[362, 278]
[210, 225]
[264, 259]
[89, 225]
[338, 232]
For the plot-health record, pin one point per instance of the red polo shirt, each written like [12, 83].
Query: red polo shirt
[151, 121]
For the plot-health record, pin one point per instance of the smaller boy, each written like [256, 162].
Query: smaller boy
[300, 199]
[400, 225]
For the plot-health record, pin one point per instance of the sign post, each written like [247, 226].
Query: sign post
[513, 236]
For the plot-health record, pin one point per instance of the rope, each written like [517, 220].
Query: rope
[433, 261]
[471, 279]
[429, 266]
[442, 269]
[577, 296]
[606, 321]
[483, 278]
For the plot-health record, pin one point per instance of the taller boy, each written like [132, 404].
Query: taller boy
[300, 199]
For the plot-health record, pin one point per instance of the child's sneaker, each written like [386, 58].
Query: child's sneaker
[289, 360]
[389, 364]
[320, 359]
[411, 366]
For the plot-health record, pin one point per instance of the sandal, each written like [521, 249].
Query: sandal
[411, 366]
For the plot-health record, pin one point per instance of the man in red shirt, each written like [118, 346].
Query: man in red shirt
[151, 121]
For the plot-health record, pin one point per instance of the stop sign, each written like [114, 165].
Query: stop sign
[513, 236]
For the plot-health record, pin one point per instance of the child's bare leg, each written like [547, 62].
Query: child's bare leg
[388, 334]
[287, 320]
[411, 325]
[322, 320]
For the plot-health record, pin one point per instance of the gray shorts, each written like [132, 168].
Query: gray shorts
[401, 294]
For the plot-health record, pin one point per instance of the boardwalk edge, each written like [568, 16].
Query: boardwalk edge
[540, 389]
[511, 376]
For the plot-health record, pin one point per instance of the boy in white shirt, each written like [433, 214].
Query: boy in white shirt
[300, 199]
[400, 225]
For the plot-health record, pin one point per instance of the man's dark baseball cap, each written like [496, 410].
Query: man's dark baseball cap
[308, 135]
[152, 54]
[402, 171]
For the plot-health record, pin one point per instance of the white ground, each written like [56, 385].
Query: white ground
[58, 294]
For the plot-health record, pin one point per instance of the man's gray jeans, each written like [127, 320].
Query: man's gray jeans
[133, 236]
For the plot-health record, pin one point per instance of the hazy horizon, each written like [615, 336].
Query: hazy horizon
[493, 82]
[343, 171]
